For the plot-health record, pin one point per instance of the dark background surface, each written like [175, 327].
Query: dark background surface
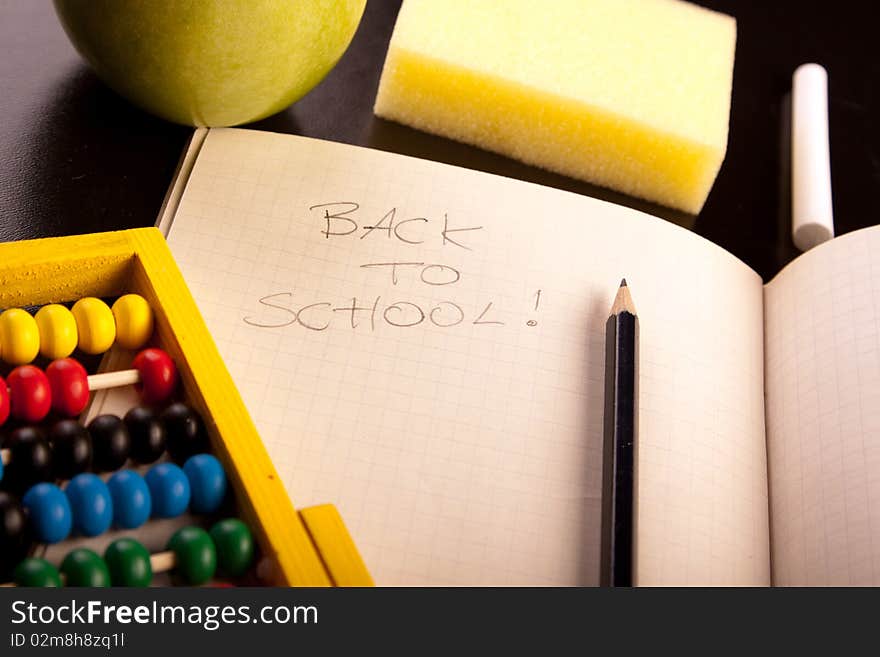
[76, 158]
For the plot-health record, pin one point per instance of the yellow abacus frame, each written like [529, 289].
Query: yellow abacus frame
[311, 547]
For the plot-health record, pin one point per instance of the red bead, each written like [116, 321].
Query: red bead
[69, 383]
[30, 396]
[4, 401]
[158, 375]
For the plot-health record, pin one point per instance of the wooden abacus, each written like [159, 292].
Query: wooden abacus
[309, 547]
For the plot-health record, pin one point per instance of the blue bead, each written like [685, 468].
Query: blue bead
[1, 469]
[131, 499]
[169, 489]
[49, 511]
[91, 504]
[207, 482]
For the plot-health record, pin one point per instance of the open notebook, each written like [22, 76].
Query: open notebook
[451, 404]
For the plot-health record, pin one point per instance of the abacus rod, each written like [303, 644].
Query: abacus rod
[106, 380]
[160, 562]
[113, 379]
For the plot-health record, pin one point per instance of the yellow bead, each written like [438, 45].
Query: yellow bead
[19, 336]
[58, 335]
[95, 325]
[134, 321]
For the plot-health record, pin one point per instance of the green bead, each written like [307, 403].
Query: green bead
[235, 546]
[82, 567]
[36, 572]
[129, 563]
[195, 554]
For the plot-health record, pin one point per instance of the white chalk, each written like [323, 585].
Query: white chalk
[812, 216]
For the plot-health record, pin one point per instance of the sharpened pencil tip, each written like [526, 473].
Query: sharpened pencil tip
[623, 301]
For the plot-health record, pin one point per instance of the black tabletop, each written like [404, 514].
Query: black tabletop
[76, 158]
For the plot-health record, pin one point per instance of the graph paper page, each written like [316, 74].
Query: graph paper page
[823, 414]
[423, 346]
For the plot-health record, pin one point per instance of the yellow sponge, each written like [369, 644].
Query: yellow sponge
[629, 94]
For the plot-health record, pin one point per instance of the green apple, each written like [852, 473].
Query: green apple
[211, 62]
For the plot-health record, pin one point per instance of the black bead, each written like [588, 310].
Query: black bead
[13, 527]
[72, 447]
[12, 425]
[185, 431]
[30, 459]
[111, 444]
[147, 434]
[25, 434]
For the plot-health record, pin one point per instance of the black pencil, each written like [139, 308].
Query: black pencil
[621, 428]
